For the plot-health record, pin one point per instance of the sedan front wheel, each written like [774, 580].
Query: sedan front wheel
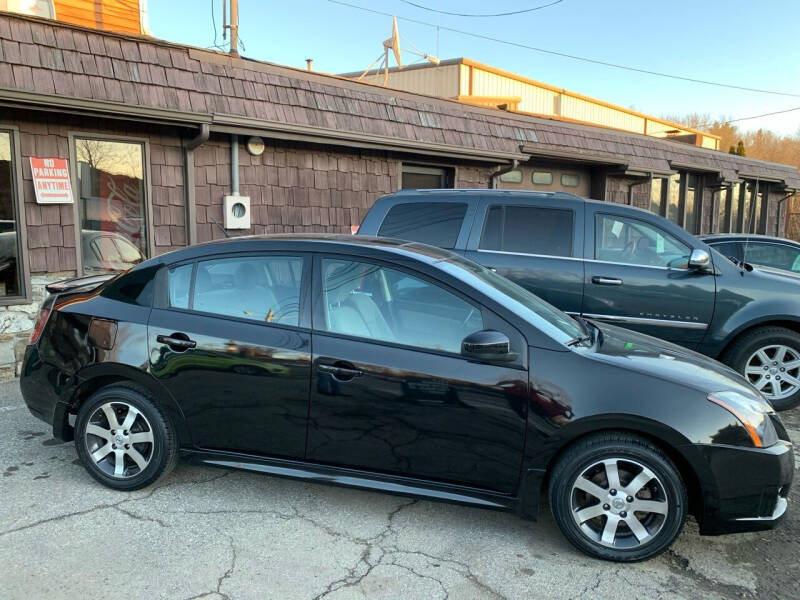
[617, 497]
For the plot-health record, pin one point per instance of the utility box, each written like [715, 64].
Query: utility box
[237, 212]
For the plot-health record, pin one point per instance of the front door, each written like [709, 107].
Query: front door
[639, 279]
[230, 340]
[390, 391]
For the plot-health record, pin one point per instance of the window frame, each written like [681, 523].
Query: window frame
[487, 210]
[18, 205]
[594, 258]
[318, 322]
[72, 137]
[161, 300]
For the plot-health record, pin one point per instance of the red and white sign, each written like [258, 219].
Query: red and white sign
[51, 180]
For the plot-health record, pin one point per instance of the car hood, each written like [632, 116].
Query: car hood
[652, 356]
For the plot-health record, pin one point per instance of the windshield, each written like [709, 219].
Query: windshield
[546, 317]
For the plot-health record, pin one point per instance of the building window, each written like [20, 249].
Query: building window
[542, 178]
[422, 177]
[691, 202]
[12, 284]
[112, 204]
[570, 180]
[658, 195]
[679, 199]
[514, 176]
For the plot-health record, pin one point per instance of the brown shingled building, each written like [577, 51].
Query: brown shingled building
[144, 132]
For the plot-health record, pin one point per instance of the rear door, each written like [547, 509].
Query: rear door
[638, 278]
[230, 339]
[391, 392]
[539, 246]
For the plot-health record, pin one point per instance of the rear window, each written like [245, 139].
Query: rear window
[434, 223]
[528, 230]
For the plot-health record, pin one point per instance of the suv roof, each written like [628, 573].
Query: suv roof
[484, 191]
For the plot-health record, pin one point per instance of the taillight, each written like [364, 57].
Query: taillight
[41, 319]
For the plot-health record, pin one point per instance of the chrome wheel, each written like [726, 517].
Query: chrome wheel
[774, 371]
[619, 503]
[119, 439]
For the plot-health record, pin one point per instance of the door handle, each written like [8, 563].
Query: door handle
[176, 341]
[343, 371]
[599, 280]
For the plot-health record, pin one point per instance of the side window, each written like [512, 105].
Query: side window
[434, 223]
[774, 255]
[729, 249]
[261, 288]
[528, 230]
[624, 240]
[387, 305]
[180, 281]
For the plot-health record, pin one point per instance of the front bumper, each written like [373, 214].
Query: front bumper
[745, 489]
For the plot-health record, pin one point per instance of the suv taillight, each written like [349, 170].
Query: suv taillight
[41, 320]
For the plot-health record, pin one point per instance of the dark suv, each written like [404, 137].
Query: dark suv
[618, 264]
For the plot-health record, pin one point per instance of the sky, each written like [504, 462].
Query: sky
[736, 42]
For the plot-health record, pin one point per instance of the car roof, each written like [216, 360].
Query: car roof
[309, 242]
[718, 237]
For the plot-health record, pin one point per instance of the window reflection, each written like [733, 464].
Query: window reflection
[111, 204]
[10, 284]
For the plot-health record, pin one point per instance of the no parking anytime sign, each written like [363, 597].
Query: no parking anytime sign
[51, 180]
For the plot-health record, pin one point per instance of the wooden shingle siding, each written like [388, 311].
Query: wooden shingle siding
[148, 73]
[51, 228]
[121, 16]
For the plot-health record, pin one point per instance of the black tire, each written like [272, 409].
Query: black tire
[746, 345]
[161, 453]
[630, 451]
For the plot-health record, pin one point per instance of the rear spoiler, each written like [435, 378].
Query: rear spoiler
[76, 284]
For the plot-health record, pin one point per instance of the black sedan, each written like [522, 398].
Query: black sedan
[762, 250]
[401, 367]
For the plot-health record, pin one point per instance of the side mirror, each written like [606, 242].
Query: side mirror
[700, 259]
[487, 345]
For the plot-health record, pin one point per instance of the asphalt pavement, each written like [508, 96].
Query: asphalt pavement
[211, 533]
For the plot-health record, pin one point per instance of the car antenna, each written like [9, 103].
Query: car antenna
[222, 229]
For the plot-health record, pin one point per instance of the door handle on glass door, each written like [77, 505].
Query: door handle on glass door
[607, 280]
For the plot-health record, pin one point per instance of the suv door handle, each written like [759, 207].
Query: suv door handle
[176, 341]
[343, 371]
[599, 280]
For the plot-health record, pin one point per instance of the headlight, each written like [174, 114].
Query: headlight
[752, 412]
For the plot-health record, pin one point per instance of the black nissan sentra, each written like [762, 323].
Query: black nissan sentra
[397, 366]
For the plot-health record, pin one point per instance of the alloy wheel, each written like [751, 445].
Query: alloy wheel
[619, 503]
[119, 439]
[774, 371]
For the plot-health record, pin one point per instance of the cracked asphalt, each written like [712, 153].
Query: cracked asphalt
[212, 534]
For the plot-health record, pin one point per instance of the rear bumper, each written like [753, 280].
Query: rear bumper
[45, 391]
[747, 488]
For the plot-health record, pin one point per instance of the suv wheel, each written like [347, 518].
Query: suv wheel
[769, 358]
[124, 439]
[617, 497]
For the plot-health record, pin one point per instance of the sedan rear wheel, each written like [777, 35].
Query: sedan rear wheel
[618, 497]
[124, 438]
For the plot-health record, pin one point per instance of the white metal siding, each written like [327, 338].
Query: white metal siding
[434, 81]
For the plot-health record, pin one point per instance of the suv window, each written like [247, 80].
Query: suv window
[261, 288]
[728, 249]
[631, 241]
[780, 256]
[387, 305]
[434, 223]
[528, 230]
